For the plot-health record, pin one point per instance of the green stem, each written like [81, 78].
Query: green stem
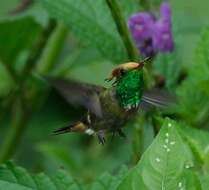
[21, 113]
[18, 124]
[122, 28]
[37, 50]
[51, 52]
[138, 139]
[10, 71]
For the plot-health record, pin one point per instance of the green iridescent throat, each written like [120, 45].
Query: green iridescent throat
[129, 89]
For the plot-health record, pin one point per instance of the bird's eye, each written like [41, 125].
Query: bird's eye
[122, 72]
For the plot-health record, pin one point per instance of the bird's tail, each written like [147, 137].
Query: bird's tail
[76, 127]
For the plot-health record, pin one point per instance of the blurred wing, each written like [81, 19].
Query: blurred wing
[157, 98]
[77, 93]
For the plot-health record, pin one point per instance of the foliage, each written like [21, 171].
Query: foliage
[10, 45]
[85, 20]
[194, 105]
[168, 163]
[13, 177]
[80, 40]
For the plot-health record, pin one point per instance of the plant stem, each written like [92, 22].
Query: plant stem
[38, 49]
[18, 124]
[54, 46]
[122, 28]
[138, 139]
[10, 71]
[21, 113]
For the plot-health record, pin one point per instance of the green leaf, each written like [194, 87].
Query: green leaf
[17, 178]
[92, 23]
[190, 180]
[129, 7]
[198, 143]
[205, 182]
[200, 68]
[169, 66]
[80, 65]
[36, 11]
[105, 182]
[102, 71]
[6, 82]
[16, 36]
[193, 104]
[163, 164]
[77, 58]
[200, 136]
[61, 154]
[193, 93]
[109, 182]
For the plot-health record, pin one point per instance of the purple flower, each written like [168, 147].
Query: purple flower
[165, 10]
[151, 35]
[140, 25]
[162, 36]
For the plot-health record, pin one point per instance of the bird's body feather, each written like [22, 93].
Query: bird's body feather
[129, 89]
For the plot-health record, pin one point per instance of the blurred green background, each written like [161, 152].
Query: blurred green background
[38, 150]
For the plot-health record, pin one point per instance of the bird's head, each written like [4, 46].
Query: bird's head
[122, 69]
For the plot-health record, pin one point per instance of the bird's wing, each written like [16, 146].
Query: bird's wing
[157, 98]
[78, 93]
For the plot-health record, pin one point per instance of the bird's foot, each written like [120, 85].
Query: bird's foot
[101, 137]
[120, 133]
[113, 135]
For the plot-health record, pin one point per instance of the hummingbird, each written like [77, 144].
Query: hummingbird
[107, 110]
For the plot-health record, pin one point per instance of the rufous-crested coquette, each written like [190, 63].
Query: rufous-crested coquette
[107, 109]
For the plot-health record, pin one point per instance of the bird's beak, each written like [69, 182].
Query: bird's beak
[143, 62]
